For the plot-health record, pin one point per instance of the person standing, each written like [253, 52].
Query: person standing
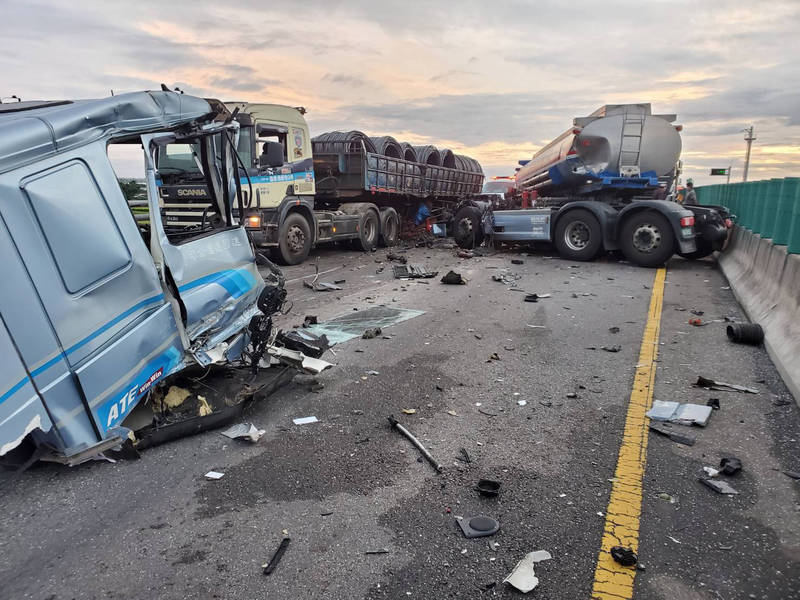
[690, 197]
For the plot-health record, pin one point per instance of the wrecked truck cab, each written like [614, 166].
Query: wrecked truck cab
[98, 304]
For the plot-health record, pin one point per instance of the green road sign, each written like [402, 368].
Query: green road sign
[722, 172]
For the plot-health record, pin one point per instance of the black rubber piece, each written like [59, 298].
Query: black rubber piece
[745, 333]
[488, 487]
[730, 465]
[624, 556]
[276, 558]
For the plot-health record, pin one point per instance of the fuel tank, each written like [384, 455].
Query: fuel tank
[621, 146]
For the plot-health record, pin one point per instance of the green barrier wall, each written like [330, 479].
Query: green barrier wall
[770, 208]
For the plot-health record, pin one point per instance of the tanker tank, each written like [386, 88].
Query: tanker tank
[618, 147]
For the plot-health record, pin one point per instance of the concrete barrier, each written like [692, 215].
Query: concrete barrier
[765, 279]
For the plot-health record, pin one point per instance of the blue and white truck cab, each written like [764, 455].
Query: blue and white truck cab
[96, 307]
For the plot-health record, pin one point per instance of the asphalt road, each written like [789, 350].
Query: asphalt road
[349, 484]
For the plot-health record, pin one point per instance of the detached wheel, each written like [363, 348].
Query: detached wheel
[578, 235]
[646, 239]
[368, 231]
[467, 223]
[294, 240]
[390, 227]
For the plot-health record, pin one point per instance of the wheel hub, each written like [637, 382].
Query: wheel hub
[295, 239]
[577, 235]
[646, 237]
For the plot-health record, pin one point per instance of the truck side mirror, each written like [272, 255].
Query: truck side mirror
[271, 155]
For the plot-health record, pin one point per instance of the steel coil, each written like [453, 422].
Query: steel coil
[428, 155]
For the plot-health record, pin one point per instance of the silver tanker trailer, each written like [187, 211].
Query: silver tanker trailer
[595, 187]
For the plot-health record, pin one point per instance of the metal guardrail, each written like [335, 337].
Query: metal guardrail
[770, 207]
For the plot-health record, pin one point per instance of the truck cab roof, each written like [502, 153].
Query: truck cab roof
[269, 112]
[31, 131]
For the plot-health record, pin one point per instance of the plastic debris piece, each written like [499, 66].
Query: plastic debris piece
[624, 556]
[718, 485]
[522, 402]
[721, 386]
[614, 329]
[276, 558]
[687, 414]
[379, 551]
[409, 411]
[304, 420]
[711, 471]
[713, 403]
[522, 576]
[244, 431]
[517, 261]
[535, 297]
[452, 413]
[478, 526]
[611, 348]
[730, 465]
[214, 475]
[792, 474]
[372, 373]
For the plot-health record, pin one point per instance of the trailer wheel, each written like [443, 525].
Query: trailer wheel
[647, 239]
[294, 243]
[368, 230]
[390, 227]
[578, 235]
[467, 225]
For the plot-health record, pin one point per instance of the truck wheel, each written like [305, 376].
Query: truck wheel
[578, 235]
[294, 242]
[467, 222]
[368, 230]
[647, 239]
[390, 227]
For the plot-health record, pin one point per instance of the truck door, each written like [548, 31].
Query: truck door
[93, 289]
[212, 273]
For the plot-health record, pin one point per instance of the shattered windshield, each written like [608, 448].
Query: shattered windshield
[178, 158]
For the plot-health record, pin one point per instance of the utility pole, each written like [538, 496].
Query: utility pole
[748, 137]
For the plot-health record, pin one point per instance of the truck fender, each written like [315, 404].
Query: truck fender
[673, 212]
[605, 214]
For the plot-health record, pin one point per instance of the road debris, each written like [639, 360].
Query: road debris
[396, 424]
[478, 526]
[721, 386]
[465, 254]
[730, 465]
[214, 475]
[711, 471]
[613, 329]
[624, 556]
[685, 414]
[488, 487]
[493, 356]
[713, 403]
[464, 456]
[305, 420]
[675, 437]
[372, 373]
[506, 277]
[719, 486]
[792, 474]
[453, 278]
[244, 431]
[370, 334]
[394, 256]
[535, 297]
[276, 558]
[320, 286]
[697, 322]
[522, 576]
[413, 271]
[745, 333]
[379, 551]
[611, 348]
[309, 320]
[409, 411]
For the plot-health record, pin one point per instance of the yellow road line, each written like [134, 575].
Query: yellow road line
[612, 581]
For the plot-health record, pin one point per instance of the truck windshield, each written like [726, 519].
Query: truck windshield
[243, 148]
[178, 158]
[497, 187]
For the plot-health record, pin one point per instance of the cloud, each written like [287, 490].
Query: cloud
[343, 79]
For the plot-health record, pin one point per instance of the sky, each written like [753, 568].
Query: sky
[495, 80]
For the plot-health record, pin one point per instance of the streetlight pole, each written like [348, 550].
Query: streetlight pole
[748, 137]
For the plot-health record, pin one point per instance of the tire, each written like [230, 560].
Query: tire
[647, 239]
[467, 227]
[390, 227]
[368, 231]
[294, 240]
[578, 235]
